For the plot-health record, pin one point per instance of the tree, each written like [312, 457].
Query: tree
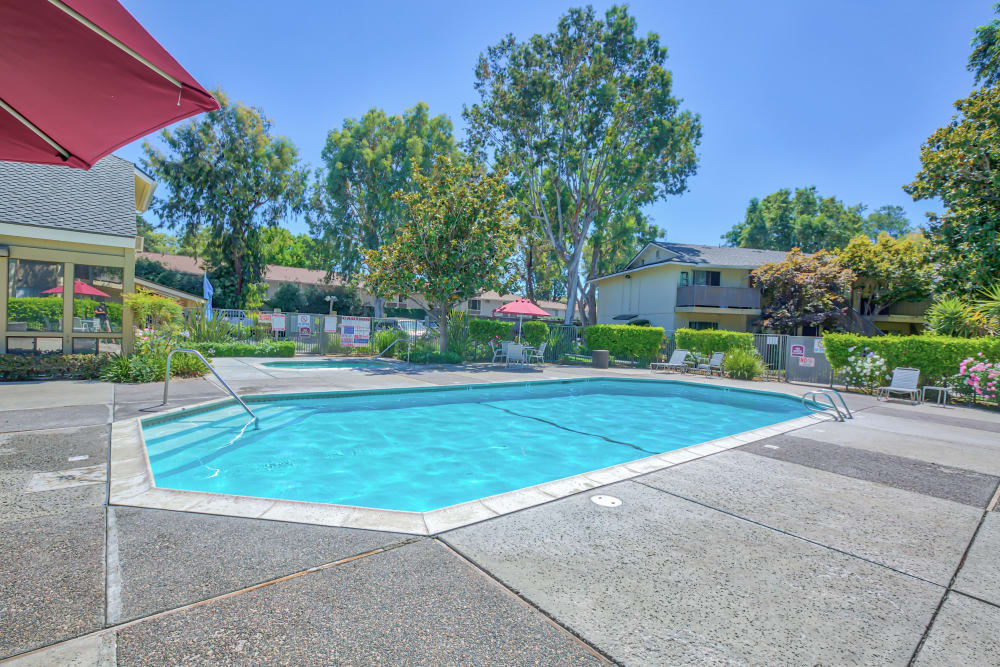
[803, 289]
[584, 121]
[457, 238]
[228, 176]
[288, 299]
[345, 300]
[960, 164]
[887, 271]
[782, 221]
[984, 61]
[283, 248]
[154, 241]
[366, 162]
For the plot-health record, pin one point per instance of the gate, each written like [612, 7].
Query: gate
[805, 360]
[772, 349]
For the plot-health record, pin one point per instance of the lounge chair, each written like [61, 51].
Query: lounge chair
[499, 353]
[515, 354]
[714, 364]
[538, 355]
[678, 362]
[904, 381]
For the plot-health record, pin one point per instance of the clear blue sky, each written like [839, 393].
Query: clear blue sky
[839, 95]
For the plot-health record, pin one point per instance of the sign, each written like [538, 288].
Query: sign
[772, 340]
[278, 322]
[818, 347]
[355, 331]
[305, 326]
[808, 362]
[330, 324]
[798, 351]
[264, 318]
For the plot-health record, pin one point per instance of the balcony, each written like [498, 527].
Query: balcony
[707, 296]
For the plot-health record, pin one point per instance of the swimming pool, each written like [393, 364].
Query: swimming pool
[330, 363]
[417, 450]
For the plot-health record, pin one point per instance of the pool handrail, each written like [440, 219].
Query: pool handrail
[409, 344]
[166, 380]
[830, 394]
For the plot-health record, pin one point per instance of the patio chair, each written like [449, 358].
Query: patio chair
[515, 354]
[499, 353]
[538, 355]
[714, 364]
[904, 381]
[678, 362]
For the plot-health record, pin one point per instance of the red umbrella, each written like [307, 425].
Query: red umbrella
[79, 287]
[520, 307]
[80, 78]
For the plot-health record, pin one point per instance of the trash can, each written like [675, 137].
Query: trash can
[600, 359]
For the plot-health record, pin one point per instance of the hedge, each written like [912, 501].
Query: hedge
[622, 340]
[935, 356]
[277, 348]
[14, 367]
[534, 333]
[483, 331]
[707, 341]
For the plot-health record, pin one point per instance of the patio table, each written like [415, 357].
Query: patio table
[942, 394]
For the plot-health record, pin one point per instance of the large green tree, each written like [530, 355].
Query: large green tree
[803, 290]
[368, 160]
[457, 238]
[888, 270]
[283, 248]
[984, 61]
[584, 120]
[784, 220]
[227, 175]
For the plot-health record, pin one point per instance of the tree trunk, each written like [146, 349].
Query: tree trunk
[443, 326]
[379, 307]
[529, 279]
[238, 268]
[572, 283]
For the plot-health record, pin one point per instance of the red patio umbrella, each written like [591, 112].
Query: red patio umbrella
[79, 287]
[520, 307]
[80, 78]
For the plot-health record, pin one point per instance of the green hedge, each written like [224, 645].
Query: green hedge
[534, 333]
[15, 367]
[707, 341]
[483, 331]
[622, 340]
[407, 313]
[935, 356]
[35, 310]
[277, 348]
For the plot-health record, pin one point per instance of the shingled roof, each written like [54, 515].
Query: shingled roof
[100, 200]
[721, 255]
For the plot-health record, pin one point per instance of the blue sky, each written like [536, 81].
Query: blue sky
[839, 95]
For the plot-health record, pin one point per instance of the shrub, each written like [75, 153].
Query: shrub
[16, 367]
[154, 311]
[437, 358]
[483, 331]
[534, 333]
[215, 330]
[384, 338]
[954, 317]
[743, 363]
[865, 369]
[270, 348]
[707, 341]
[459, 341]
[622, 340]
[935, 356]
[981, 376]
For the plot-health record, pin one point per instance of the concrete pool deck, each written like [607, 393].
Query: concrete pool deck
[860, 542]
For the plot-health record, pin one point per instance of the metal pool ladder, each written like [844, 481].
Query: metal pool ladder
[830, 395]
[409, 344]
[166, 380]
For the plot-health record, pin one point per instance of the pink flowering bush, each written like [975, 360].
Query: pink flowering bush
[981, 376]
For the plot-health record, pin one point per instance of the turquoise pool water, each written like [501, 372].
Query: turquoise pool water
[330, 363]
[422, 449]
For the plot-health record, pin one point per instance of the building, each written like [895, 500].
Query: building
[67, 255]
[678, 285]
[488, 301]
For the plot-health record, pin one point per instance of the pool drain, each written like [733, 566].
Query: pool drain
[606, 501]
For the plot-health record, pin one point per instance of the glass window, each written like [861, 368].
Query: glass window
[29, 345]
[34, 296]
[712, 278]
[84, 346]
[698, 326]
[97, 299]
[685, 279]
[474, 304]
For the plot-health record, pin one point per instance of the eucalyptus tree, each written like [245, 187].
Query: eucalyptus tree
[352, 205]
[584, 121]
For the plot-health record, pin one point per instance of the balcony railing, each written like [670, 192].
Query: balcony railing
[718, 297]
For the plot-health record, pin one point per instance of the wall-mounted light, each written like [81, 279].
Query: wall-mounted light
[4, 251]
[628, 276]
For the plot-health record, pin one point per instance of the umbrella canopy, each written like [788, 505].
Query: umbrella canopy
[521, 307]
[79, 287]
[80, 78]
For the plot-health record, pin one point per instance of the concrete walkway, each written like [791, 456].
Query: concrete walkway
[868, 542]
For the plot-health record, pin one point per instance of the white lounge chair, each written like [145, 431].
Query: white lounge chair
[714, 364]
[904, 381]
[538, 355]
[678, 362]
[499, 353]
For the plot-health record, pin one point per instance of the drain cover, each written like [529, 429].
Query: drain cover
[606, 501]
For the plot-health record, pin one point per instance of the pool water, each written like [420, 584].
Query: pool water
[423, 449]
[330, 363]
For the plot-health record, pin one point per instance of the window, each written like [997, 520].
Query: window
[712, 278]
[698, 326]
[31, 345]
[97, 299]
[685, 279]
[34, 296]
[95, 345]
[474, 305]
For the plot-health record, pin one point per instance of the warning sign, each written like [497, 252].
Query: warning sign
[355, 331]
[808, 362]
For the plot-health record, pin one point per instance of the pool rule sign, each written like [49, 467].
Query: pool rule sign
[355, 331]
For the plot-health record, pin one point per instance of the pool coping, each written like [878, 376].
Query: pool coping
[132, 483]
[290, 366]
